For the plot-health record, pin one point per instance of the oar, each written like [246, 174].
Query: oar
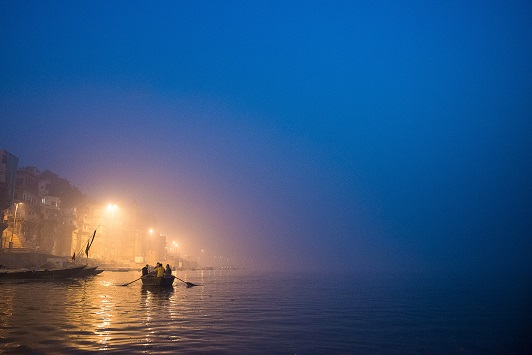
[189, 284]
[129, 282]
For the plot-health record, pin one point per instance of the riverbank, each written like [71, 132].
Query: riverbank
[16, 259]
[25, 260]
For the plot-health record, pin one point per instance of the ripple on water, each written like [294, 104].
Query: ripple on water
[238, 313]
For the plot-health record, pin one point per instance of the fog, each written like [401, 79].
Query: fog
[350, 136]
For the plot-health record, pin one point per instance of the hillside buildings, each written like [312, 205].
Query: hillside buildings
[42, 212]
[8, 173]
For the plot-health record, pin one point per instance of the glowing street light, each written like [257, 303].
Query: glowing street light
[14, 223]
[173, 248]
[111, 208]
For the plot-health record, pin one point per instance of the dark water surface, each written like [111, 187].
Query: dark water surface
[245, 312]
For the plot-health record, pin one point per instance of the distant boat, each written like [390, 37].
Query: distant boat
[61, 273]
[165, 281]
[119, 269]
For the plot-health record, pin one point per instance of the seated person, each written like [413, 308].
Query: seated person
[160, 270]
[168, 270]
[145, 270]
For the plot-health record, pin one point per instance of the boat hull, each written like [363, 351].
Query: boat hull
[26, 274]
[58, 273]
[166, 281]
[88, 271]
[43, 274]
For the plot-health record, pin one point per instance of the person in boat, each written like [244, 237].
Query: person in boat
[160, 270]
[145, 270]
[168, 270]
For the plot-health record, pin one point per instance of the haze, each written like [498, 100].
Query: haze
[344, 135]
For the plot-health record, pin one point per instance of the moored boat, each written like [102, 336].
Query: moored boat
[165, 281]
[88, 271]
[16, 274]
[62, 273]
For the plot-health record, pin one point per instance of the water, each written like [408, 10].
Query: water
[239, 312]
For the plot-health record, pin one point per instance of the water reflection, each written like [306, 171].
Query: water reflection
[261, 313]
[156, 292]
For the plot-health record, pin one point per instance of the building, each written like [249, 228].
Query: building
[8, 173]
[37, 219]
[27, 186]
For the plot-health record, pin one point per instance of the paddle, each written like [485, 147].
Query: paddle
[129, 282]
[189, 284]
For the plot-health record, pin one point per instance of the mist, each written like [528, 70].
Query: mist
[354, 137]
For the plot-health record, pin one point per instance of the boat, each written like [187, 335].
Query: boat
[16, 274]
[165, 281]
[89, 271]
[119, 269]
[62, 273]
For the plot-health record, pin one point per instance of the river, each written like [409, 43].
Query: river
[249, 312]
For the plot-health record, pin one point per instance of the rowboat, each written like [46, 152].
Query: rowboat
[165, 281]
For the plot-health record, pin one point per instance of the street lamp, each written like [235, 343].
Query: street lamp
[112, 207]
[14, 224]
[148, 248]
[174, 249]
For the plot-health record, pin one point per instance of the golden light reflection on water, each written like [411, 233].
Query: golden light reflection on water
[99, 315]
[105, 315]
[146, 302]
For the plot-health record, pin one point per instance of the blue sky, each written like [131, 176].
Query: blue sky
[356, 135]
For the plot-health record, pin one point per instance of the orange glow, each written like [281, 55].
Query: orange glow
[112, 207]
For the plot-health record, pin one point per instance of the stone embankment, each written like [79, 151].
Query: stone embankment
[15, 259]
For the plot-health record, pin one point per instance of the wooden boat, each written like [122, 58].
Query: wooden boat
[165, 281]
[57, 273]
[88, 271]
[97, 272]
[16, 274]
[62, 273]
